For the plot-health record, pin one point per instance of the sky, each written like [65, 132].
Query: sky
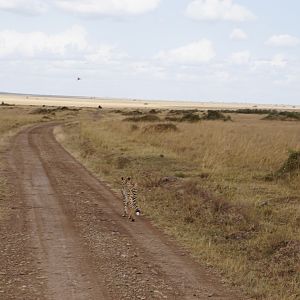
[195, 50]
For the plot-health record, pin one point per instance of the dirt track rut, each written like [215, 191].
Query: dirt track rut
[82, 247]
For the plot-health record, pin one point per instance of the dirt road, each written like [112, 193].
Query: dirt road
[76, 245]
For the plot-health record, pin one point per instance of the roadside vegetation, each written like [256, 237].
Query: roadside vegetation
[228, 191]
[12, 117]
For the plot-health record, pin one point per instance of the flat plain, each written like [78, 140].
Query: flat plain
[223, 187]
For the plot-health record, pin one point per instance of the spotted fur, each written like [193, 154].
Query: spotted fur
[129, 195]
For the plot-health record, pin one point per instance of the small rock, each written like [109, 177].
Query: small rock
[154, 272]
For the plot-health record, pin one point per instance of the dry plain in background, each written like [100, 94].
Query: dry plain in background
[207, 184]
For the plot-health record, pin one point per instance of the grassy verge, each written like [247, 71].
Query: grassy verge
[206, 184]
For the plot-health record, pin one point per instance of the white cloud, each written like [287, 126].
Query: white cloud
[245, 58]
[278, 61]
[198, 52]
[103, 54]
[238, 34]
[208, 74]
[188, 77]
[240, 58]
[213, 10]
[39, 44]
[283, 40]
[87, 8]
[107, 7]
[148, 68]
[222, 75]
[28, 7]
[69, 45]
[287, 80]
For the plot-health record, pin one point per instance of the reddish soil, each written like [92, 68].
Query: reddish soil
[64, 238]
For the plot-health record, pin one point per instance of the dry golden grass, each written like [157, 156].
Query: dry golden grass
[13, 117]
[215, 199]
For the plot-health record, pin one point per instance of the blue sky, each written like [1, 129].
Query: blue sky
[199, 50]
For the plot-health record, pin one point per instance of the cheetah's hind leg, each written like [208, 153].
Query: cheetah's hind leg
[125, 212]
[131, 215]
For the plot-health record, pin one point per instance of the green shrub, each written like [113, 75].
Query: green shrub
[249, 111]
[216, 115]
[190, 117]
[283, 116]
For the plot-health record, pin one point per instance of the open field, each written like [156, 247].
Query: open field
[129, 103]
[227, 191]
[218, 187]
[13, 117]
[62, 234]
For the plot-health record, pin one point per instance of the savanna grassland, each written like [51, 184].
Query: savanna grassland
[226, 186]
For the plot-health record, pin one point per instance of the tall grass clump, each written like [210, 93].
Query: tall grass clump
[162, 127]
[190, 117]
[283, 116]
[216, 115]
[146, 118]
[289, 168]
[12, 117]
[250, 111]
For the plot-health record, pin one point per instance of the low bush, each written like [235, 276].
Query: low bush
[146, 118]
[43, 111]
[122, 162]
[190, 117]
[163, 127]
[134, 127]
[132, 113]
[153, 111]
[283, 116]
[216, 115]
[290, 167]
[249, 111]
[173, 119]
[182, 111]
[6, 104]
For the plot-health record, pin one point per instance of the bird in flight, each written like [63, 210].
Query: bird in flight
[78, 78]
